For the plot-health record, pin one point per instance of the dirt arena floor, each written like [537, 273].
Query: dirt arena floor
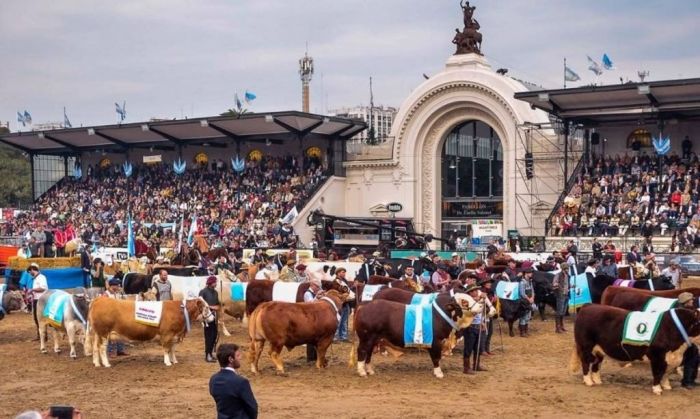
[528, 378]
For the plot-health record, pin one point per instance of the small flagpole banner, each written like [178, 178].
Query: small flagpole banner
[121, 111]
[249, 97]
[607, 62]
[66, 121]
[569, 74]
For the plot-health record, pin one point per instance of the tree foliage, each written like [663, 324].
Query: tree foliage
[15, 178]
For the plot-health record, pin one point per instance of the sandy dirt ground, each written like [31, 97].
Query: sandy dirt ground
[528, 377]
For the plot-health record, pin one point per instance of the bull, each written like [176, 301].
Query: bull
[383, 319]
[9, 301]
[108, 315]
[73, 322]
[598, 331]
[599, 283]
[292, 324]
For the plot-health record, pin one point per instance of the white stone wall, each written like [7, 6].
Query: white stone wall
[467, 89]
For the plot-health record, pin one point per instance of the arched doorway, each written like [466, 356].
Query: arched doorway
[472, 182]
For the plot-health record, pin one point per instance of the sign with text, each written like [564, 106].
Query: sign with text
[152, 159]
[394, 207]
[472, 209]
[481, 230]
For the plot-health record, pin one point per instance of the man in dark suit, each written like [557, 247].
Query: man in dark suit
[232, 393]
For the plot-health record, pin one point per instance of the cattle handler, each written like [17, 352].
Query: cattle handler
[310, 296]
[690, 357]
[211, 296]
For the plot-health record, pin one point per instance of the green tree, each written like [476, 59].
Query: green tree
[15, 177]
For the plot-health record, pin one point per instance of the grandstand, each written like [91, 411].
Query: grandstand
[628, 187]
[242, 176]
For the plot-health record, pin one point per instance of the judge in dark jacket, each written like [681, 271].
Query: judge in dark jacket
[232, 393]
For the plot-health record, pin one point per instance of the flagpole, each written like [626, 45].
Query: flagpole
[564, 72]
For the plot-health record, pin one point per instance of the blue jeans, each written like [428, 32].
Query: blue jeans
[115, 345]
[342, 332]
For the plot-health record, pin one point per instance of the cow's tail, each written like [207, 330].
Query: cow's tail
[354, 342]
[575, 360]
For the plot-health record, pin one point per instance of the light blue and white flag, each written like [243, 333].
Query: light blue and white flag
[607, 62]
[121, 110]
[570, 75]
[193, 230]
[594, 66]
[291, 216]
[249, 97]
[20, 119]
[508, 290]
[661, 145]
[27, 117]
[130, 242]
[418, 326]
[66, 121]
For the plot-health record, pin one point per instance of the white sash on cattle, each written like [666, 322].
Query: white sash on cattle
[285, 291]
[368, 292]
[2, 292]
[640, 328]
[148, 312]
[659, 304]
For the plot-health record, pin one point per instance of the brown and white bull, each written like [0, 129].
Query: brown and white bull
[108, 315]
[74, 311]
[383, 319]
[293, 324]
[598, 333]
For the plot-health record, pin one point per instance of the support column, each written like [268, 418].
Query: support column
[31, 164]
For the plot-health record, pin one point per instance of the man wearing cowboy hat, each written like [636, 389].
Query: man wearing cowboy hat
[114, 291]
[211, 296]
[287, 272]
[474, 334]
[486, 285]
[310, 296]
[527, 293]
[673, 271]
[301, 275]
[39, 287]
[342, 333]
[691, 360]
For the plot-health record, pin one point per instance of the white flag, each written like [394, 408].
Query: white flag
[291, 216]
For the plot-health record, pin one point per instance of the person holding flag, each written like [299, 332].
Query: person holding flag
[193, 230]
[130, 241]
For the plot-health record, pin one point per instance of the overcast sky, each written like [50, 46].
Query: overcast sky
[175, 58]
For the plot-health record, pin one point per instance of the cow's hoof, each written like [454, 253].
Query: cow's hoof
[57, 351]
[73, 356]
[587, 380]
[363, 374]
[44, 351]
[596, 378]
[438, 373]
[282, 373]
[370, 370]
[666, 386]
[657, 390]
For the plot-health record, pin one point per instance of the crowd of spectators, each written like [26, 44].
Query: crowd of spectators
[642, 194]
[233, 209]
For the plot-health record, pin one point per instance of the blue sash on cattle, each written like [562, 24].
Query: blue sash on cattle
[418, 326]
[508, 290]
[55, 307]
[423, 299]
[238, 291]
[579, 293]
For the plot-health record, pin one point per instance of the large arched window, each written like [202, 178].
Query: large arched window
[472, 163]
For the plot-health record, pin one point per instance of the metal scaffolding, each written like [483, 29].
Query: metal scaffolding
[548, 144]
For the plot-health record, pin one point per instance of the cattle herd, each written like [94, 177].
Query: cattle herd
[378, 320]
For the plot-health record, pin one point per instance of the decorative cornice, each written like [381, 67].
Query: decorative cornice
[433, 94]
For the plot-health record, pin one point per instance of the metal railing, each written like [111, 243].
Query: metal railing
[361, 150]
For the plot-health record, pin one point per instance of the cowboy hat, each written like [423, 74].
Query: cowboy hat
[684, 297]
[472, 287]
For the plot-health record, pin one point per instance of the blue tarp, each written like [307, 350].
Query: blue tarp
[61, 278]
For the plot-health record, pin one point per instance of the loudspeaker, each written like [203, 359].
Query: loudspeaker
[595, 138]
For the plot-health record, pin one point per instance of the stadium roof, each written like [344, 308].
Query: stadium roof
[622, 103]
[215, 131]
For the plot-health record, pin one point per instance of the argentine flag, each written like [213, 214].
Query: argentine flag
[607, 62]
[249, 97]
[130, 243]
[193, 230]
